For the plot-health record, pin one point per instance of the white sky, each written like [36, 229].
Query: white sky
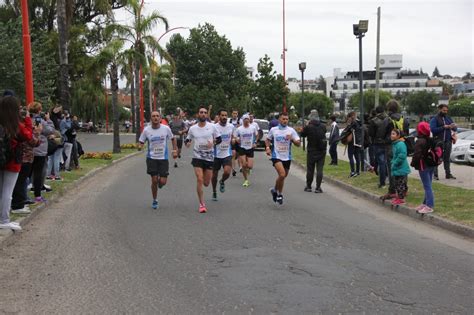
[427, 33]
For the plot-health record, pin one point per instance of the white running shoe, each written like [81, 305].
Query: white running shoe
[24, 210]
[11, 226]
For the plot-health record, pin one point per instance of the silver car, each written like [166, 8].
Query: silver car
[463, 148]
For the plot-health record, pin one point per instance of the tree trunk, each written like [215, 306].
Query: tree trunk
[115, 109]
[137, 101]
[63, 55]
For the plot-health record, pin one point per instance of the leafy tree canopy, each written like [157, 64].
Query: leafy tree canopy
[323, 104]
[420, 102]
[369, 99]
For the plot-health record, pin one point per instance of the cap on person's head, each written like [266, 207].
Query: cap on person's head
[8, 93]
[246, 116]
[423, 128]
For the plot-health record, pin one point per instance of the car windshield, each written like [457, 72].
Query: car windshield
[467, 135]
[263, 125]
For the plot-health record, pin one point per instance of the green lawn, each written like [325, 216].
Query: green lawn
[456, 204]
[69, 177]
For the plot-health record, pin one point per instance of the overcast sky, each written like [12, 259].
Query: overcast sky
[427, 33]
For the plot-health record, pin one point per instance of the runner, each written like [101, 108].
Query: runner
[205, 136]
[235, 147]
[246, 137]
[223, 153]
[157, 136]
[281, 138]
[178, 127]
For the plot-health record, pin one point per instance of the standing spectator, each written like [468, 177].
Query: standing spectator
[55, 157]
[20, 192]
[426, 172]
[354, 147]
[90, 126]
[40, 152]
[13, 132]
[72, 138]
[127, 125]
[66, 130]
[442, 127]
[333, 140]
[315, 132]
[372, 161]
[400, 167]
[395, 120]
[377, 132]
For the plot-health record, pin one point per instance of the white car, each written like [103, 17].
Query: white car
[263, 124]
[462, 147]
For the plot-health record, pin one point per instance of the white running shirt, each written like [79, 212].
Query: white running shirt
[281, 138]
[224, 149]
[203, 138]
[247, 136]
[157, 141]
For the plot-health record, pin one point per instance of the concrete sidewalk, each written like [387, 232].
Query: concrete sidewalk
[464, 173]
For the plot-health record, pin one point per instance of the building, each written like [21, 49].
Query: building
[311, 86]
[392, 79]
[250, 72]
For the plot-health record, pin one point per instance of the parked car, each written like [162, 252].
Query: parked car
[263, 124]
[462, 147]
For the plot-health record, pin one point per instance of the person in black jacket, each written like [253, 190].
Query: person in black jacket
[377, 132]
[315, 132]
[354, 147]
[333, 140]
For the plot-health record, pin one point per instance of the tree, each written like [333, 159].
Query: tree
[462, 107]
[369, 99]
[323, 104]
[419, 103]
[269, 89]
[467, 77]
[436, 72]
[208, 69]
[322, 84]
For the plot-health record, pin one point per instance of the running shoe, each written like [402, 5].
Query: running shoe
[24, 210]
[154, 204]
[420, 207]
[274, 194]
[202, 208]
[234, 173]
[279, 199]
[39, 199]
[11, 226]
[221, 186]
[246, 183]
[427, 209]
[318, 190]
[175, 164]
[398, 201]
[214, 196]
[308, 189]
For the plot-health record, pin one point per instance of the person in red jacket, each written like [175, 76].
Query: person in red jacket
[15, 132]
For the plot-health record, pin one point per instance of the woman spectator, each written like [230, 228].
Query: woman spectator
[40, 152]
[55, 156]
[13, 133]
[426, 172]
[354, 148]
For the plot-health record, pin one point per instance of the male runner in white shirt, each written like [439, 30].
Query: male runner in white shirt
[246, 137]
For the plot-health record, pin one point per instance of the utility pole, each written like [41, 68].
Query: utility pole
[283, 56]
[377, 62]
[27, 52]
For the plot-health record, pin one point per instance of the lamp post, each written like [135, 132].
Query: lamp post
[302, 67]
[283, 55]
[27, 52]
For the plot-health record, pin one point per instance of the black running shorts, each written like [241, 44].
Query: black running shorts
[286, 164]
[218, 163]
[157, 167]
[205, 165]
[179, 142]
[248, 153]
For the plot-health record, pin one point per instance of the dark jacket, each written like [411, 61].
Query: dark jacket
[378, 129]
[356, 128]
[390, 126]
[333, 133]
[436, 126]
[421, 149]
[315, 132]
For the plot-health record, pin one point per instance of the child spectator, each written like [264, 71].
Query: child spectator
[399, 166]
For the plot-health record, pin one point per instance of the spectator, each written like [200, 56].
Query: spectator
[442, 127]
[354, 146]
[13, 133]
[20, 192]
[426, 172]
[372, 161]
[40, 152]
[55, 156]
[377, 132]
[72, 138]
[315, 132]
[395, 120]
[333, 140]
[66, 133]
[399, 166]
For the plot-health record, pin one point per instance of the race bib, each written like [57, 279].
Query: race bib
[282, 148]
[158, 150]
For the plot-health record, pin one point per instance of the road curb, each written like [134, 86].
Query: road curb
[6, 237]
[429, 218]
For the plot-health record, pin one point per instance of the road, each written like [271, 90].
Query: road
[92, 142]
[102, 249]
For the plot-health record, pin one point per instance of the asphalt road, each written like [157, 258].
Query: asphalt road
[92, 142]
[104, 250]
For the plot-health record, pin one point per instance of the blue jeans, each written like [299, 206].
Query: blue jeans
[381, 163]
[53, 162]
[354, 152]
[427, 180]
[333, 152]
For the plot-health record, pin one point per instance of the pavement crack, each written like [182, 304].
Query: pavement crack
[299, 271]
[393, 301]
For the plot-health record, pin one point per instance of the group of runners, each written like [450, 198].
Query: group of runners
[216, 146]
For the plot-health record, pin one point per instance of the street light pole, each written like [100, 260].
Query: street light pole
[27, 52]
[283, 56]
[302, 67]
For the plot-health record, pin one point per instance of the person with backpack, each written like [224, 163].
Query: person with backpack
[442, 127]
[421, 163]
[13, 132]
[395, 120]
[354, 143]
[333, 140]
[315, 132]
[377, 132]
[399, 166]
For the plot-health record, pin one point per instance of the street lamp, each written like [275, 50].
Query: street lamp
[359, 31]
[302, 67]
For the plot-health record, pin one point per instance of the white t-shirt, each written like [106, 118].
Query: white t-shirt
[247, 136]
[203, 138]
[281, 138]
[157, 141]
[224, 149]
[256, 126]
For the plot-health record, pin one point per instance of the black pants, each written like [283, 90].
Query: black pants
[354, 152]
[391, 179]
[447, 148]
[333, 153]
[315, 158]
[37, 173]
[74, 155]
[20, 192]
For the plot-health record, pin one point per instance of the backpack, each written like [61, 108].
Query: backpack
[5, 149]
[346, 136]
[434, 153]
[398, 124]
[410, 143]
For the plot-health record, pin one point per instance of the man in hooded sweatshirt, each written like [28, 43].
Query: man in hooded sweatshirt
[315, 132]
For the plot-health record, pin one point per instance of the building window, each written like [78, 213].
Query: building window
[344, 87]
[417, 84]
[354, 86]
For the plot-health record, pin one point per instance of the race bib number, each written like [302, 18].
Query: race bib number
[224, 146]
[158, 150]
[282, 148]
